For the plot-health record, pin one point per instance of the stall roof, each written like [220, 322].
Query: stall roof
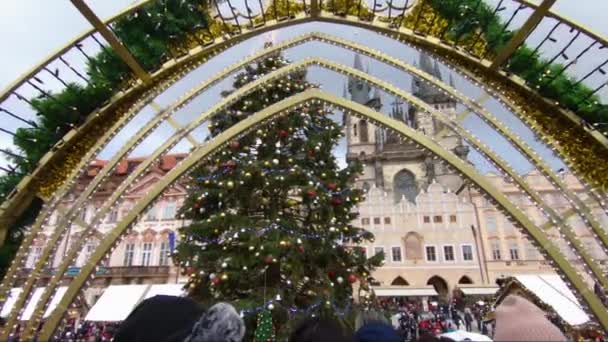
[31, 304]
[117, 301]
[552, 290]
[479, 290]
[402, 291]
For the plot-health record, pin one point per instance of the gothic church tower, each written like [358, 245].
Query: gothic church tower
[390, 163]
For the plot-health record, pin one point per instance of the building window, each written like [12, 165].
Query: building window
[36, 256]
[513, 250]
[378, 250]
[129, 253]
[531, 253]
[437, 219]
[452, 218]
[146, 254]
[396, 253]
[426, 219]
[365, 221]
[387, 220]
[88, 251]
[355, 130]
[169, 211]
[163, 259]
[376, 220]
[496, 250]
[431, 254]
[491, 225]
[112, 216]
[448, 253]
[467, 252]
[363, 137]
[404, 185]
[83, 214]
[151, 214]
[509, 229]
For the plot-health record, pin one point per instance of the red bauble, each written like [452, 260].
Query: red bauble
[311, 194]
[336, 200]
[331, 274]
[332, 186]
[352, 278]
[231, 164]
[235, 145]
[283, 133]
[311, 153]
[301, 249]
[196, 205]
[269, 259]
[215, 280]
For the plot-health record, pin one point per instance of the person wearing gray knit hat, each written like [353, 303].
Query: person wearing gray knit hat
[517, 319]
[221, 323]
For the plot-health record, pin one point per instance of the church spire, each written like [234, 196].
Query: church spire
[358, 64]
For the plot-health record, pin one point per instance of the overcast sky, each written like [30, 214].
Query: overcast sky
[32, 29]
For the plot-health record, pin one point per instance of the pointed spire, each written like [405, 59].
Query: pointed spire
[358, 64]
[345, 92]
[426, 64]
[376, 94]
[451, 82]
[436, 71]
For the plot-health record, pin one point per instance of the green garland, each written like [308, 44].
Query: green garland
[466, 18]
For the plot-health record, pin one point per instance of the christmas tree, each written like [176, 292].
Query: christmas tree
[271, 216]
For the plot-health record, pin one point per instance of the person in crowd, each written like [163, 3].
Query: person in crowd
[468, 320]
[376, 331]
[477, 314]
[172, 319]
[517, 319]
[424, 326]
[317, 329]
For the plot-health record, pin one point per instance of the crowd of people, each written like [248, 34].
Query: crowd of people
[178, 319]
[164, 318]
[412, 321]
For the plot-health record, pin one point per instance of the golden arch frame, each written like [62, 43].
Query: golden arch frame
[178, 66]
[471, 105]
[182, 132]
[281, 108]
[465, 62]
[328, 65]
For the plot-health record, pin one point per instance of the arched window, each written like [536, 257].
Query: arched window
[413, 246]
[465, 280]
[404, 184]
[363, 137]
[355, 130]
[399, 281]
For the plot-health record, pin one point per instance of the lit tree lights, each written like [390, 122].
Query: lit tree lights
[271, 215]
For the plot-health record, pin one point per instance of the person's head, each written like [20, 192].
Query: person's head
[517, 319]
[316, 329]
[367, 316]
[376, 332]
[221, 323]
[173, 319]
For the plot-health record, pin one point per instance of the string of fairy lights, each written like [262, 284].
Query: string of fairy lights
[50, 207]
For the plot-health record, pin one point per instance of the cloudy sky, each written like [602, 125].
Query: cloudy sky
[32, 29]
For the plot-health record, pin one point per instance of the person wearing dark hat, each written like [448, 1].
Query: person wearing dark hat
[376, 332]
[178, 319]
[316, 329]
[519, 320]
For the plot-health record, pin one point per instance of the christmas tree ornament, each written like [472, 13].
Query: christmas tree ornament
[340, 280]
[352, 278]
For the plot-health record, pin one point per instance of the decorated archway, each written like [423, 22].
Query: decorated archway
[475, 63]
[440, 285]
[281, 107]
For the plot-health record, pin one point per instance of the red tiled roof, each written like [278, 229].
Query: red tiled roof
[166, 163]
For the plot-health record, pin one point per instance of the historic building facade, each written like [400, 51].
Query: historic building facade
[433, 229]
